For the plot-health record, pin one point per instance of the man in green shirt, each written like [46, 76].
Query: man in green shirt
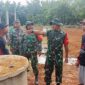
[29, 48]
[56, 39]
[15, 37]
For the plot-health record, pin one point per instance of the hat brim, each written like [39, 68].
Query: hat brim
[54, 23]
[29, 24]
[6, 25]
[2, 26]
[82, 22]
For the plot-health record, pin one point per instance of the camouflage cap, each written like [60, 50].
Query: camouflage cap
[17, 21]
[2, 26]
[56, 21]
[29, 23]
[83, 22]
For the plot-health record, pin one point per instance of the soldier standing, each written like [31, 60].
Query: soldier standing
[56, 38]
[3, 32]
[15, 38]
[81, 57]
[29, 48]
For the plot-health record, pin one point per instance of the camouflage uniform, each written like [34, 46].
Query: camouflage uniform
[39, 46]
[54, 55]
[29, 49]
[15, 40]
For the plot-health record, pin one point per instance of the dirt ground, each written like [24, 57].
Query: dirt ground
[74, 36]
[70, 72]
[70, 76]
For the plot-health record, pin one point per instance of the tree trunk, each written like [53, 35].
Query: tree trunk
[7, 17]
[0, 19]
[15, 13]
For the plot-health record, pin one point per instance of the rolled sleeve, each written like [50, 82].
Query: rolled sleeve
[66, 40]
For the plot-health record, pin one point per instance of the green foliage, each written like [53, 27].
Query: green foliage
[70, 12]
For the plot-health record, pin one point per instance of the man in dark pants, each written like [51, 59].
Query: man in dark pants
[81, 57]
[30, 47]
[3, 32]
[56, 38]
[15, 37]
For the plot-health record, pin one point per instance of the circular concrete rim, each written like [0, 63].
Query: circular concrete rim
[20, 70]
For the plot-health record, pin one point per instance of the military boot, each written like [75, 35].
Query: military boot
[47, 83]
[36, 80]
[58, 84]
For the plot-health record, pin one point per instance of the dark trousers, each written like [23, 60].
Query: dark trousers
[34, 62]
[51, 62]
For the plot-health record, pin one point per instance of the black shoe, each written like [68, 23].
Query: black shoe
[80, 84]
[36, 81]
[47, 83]
[58, 84]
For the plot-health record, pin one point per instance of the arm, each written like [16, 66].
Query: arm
[23, 45]
[3, 49]
[11, 41]
[1, 52]
[39, 32]
[66, 42]
[78, 61]
[10, 38]
[78, 57]
[66, 53]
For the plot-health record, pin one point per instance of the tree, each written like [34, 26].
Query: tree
[1, 10]
[42, 12]
[7, 12]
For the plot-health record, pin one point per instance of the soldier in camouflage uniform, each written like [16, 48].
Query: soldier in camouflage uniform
[56, 38]
[29, 48]
[15, 36]
[3, 32]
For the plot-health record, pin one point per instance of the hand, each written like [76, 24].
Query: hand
[66, 60]
[77, 64]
